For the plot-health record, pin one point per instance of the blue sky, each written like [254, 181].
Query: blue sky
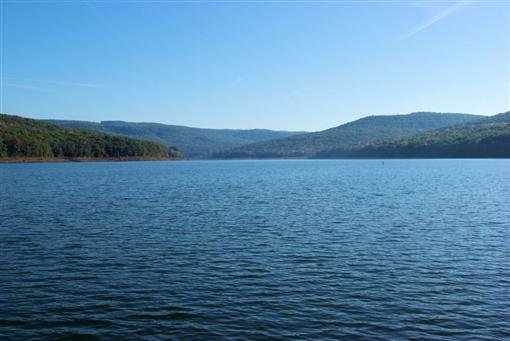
[305, 65]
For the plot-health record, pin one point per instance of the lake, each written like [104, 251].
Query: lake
[296, 249]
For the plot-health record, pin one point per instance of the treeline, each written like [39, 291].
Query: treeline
[483, 138]
[195, 143]
[27, 138]
[349, 136]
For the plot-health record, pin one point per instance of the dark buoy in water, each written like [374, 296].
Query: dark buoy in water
[382, 162]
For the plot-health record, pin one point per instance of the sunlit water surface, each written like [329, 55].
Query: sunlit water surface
[255, 249]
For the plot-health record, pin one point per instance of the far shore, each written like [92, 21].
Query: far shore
[84, 159]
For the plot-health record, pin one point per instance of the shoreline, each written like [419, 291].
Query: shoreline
[66, 160]
[83, 159]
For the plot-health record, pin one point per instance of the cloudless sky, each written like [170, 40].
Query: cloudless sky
[305, 65]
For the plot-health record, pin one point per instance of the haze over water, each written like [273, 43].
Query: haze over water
[255, 249]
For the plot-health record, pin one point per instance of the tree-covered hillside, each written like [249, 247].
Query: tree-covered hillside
[27, 138]
[483, 138]
[193, 142]
[348, 136]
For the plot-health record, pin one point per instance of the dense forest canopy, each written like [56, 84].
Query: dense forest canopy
[483, 138]
[417, 135]
[193, 142]
[28, 138]
[355, 134]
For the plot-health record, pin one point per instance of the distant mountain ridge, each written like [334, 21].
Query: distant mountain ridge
[193, 142]
[29, 139]
[352, 135]
[488, 137]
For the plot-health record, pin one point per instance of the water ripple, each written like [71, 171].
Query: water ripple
[255, 250]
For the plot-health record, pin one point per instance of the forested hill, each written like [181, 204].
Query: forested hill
[483, 138]
[23, 138]
[348, 136]
[193, 142]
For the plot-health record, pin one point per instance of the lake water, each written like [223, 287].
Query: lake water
[255, 249]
